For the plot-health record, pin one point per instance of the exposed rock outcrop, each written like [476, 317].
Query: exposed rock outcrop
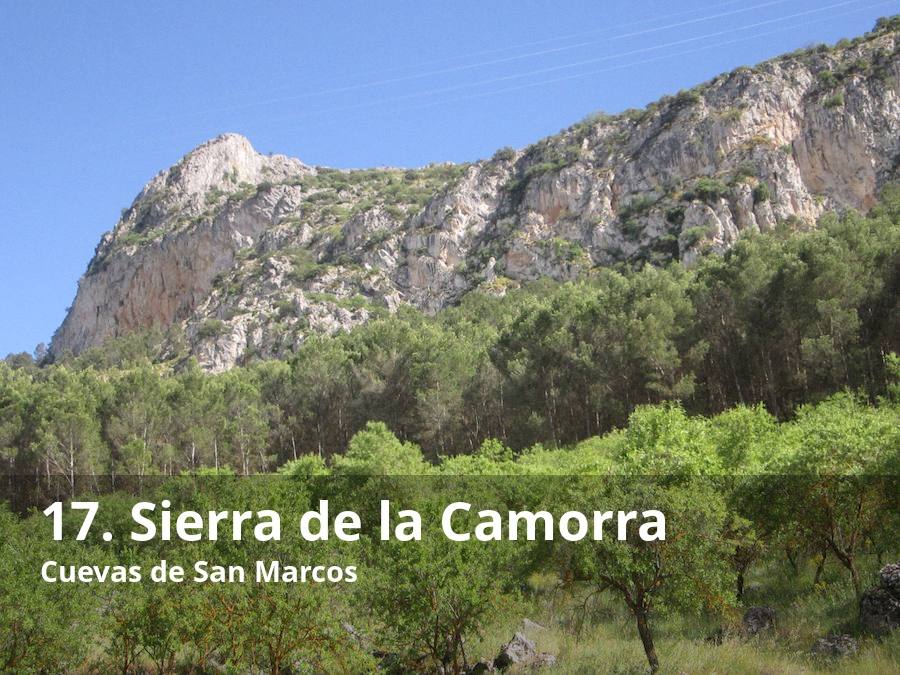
[879, 607]
[836, 646]
[246, 254]
[758, 620]
[522, 653]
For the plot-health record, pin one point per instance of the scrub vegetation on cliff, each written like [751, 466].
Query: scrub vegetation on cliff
[280, 252]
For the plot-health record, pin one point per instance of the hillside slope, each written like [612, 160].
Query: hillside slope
[247, 254]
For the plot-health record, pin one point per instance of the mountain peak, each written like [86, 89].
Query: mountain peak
[248, 253]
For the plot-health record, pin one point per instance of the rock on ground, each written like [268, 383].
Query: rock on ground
[520, 651]
[759, 619]
[836, 646]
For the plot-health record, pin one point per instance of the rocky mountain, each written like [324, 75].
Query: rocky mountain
[245, 254]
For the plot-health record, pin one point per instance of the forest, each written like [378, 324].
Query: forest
[754, 398]
[784, 318]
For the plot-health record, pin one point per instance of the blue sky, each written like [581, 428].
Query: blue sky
[95, 98]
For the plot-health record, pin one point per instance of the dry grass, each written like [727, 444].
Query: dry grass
[600, 638]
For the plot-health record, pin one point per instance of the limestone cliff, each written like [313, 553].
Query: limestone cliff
[248, 254]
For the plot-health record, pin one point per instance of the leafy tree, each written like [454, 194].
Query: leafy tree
[42, 626]
[838, 456]
[432, 596]
[67, 436]
[688, 571]
[378, 452]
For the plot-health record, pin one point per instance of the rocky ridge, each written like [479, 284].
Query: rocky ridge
[245, 255]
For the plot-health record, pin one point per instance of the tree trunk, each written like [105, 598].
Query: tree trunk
[791, 558]
[820, 567]
[643, 627]
[848, 559]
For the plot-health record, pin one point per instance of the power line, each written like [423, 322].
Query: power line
[623, 66]
[482, 64]
[609, 57]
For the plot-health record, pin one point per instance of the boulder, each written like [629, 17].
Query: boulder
[879, 611]
[518, 650]
[835, 646]
[522, 652]
[758, 619]
[543, 660]
[483, 666]
[889, 579]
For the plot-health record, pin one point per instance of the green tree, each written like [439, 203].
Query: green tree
[67, 435]
[839, 456]
[375, 451]
[688, 571]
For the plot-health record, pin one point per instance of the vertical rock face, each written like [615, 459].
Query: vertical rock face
[247, 254]
[158, 263]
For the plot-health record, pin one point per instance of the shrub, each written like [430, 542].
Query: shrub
[886, 24]
[710, 189]
[732, 114]
[835, 101]
[693, 235]
[761, 193]
[637, 206]
[211, 328]
[505, 154]
[675, 215]
[304, 265]
[286, 308]
[213, 196]
[687, 97]
[828, 79]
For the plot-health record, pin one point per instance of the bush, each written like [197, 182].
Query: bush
[687, 97]
[304, 265]
[710, 189]
[761, 193]
[828, 79]
[505, 154]
[693, 235]
[835, 101]
[211, 328]
[675, 215]
[637, 206]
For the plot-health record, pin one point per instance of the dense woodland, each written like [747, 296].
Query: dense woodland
[754, 398]
[799, 515]
[783, 318]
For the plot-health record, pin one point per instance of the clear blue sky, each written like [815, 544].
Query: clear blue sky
[95, 98]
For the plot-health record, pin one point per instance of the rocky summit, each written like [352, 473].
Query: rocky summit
[244, 255]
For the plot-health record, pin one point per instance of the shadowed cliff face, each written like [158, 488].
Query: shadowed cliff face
[248, 254]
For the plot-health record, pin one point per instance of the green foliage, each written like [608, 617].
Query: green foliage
[887, 24]
[376, 451]
[636, 207]
[211, 329]
[304, 466]
[828, 79]
[687, 572]
[782, 319]
[761, 193]
[41, 629]
[694, 235]
[687, 97]
[433, 596]
[709, 189]
[213, 196]
[834, 101]
[303, 265]
[675, 215]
